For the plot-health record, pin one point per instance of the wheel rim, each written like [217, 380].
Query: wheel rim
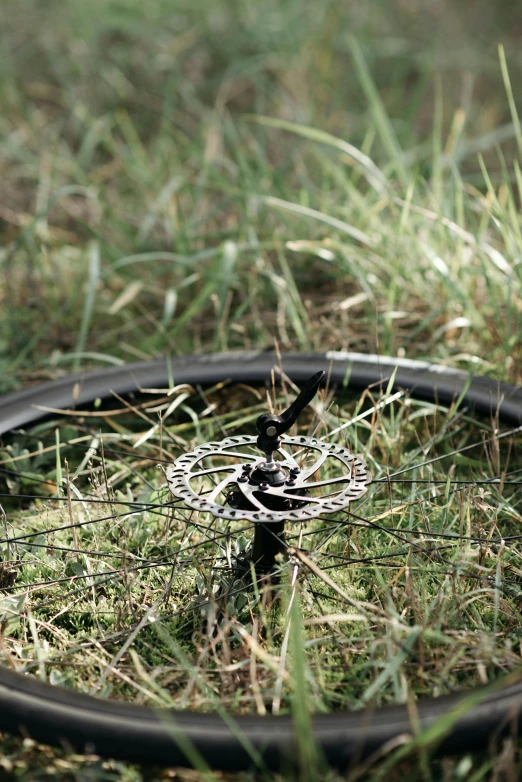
[482, 393]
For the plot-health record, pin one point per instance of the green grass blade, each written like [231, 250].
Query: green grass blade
[94, 276]
[380, 116]
[372, 172]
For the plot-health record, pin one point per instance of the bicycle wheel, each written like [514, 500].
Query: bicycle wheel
[133, 622]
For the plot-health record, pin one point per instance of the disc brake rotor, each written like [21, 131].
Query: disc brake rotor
[301, 496]
[303, 480]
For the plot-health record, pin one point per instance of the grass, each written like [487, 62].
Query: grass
[111, 551]
[416, 611]
[183, 178]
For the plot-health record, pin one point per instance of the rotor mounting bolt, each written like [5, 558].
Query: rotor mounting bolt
[263, 486]
[295, 470]
[242, 479]
[290, 482]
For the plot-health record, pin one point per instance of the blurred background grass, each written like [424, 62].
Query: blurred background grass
[191, 176]
[134, 178]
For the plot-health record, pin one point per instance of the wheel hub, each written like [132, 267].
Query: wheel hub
[294, 480]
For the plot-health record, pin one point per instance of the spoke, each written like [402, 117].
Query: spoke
[86, 500]
[158, 562]
[327, 482]
[367, 413]
[90, 552]
[427, 446]
[80, 524]
[455, 531]
[86, 497]
[289, 493]
[458, 451]
[120, 634]
[366, 524]
[75, 443]
[460, 481]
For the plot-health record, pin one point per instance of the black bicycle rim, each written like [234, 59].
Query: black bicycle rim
[62, 717]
